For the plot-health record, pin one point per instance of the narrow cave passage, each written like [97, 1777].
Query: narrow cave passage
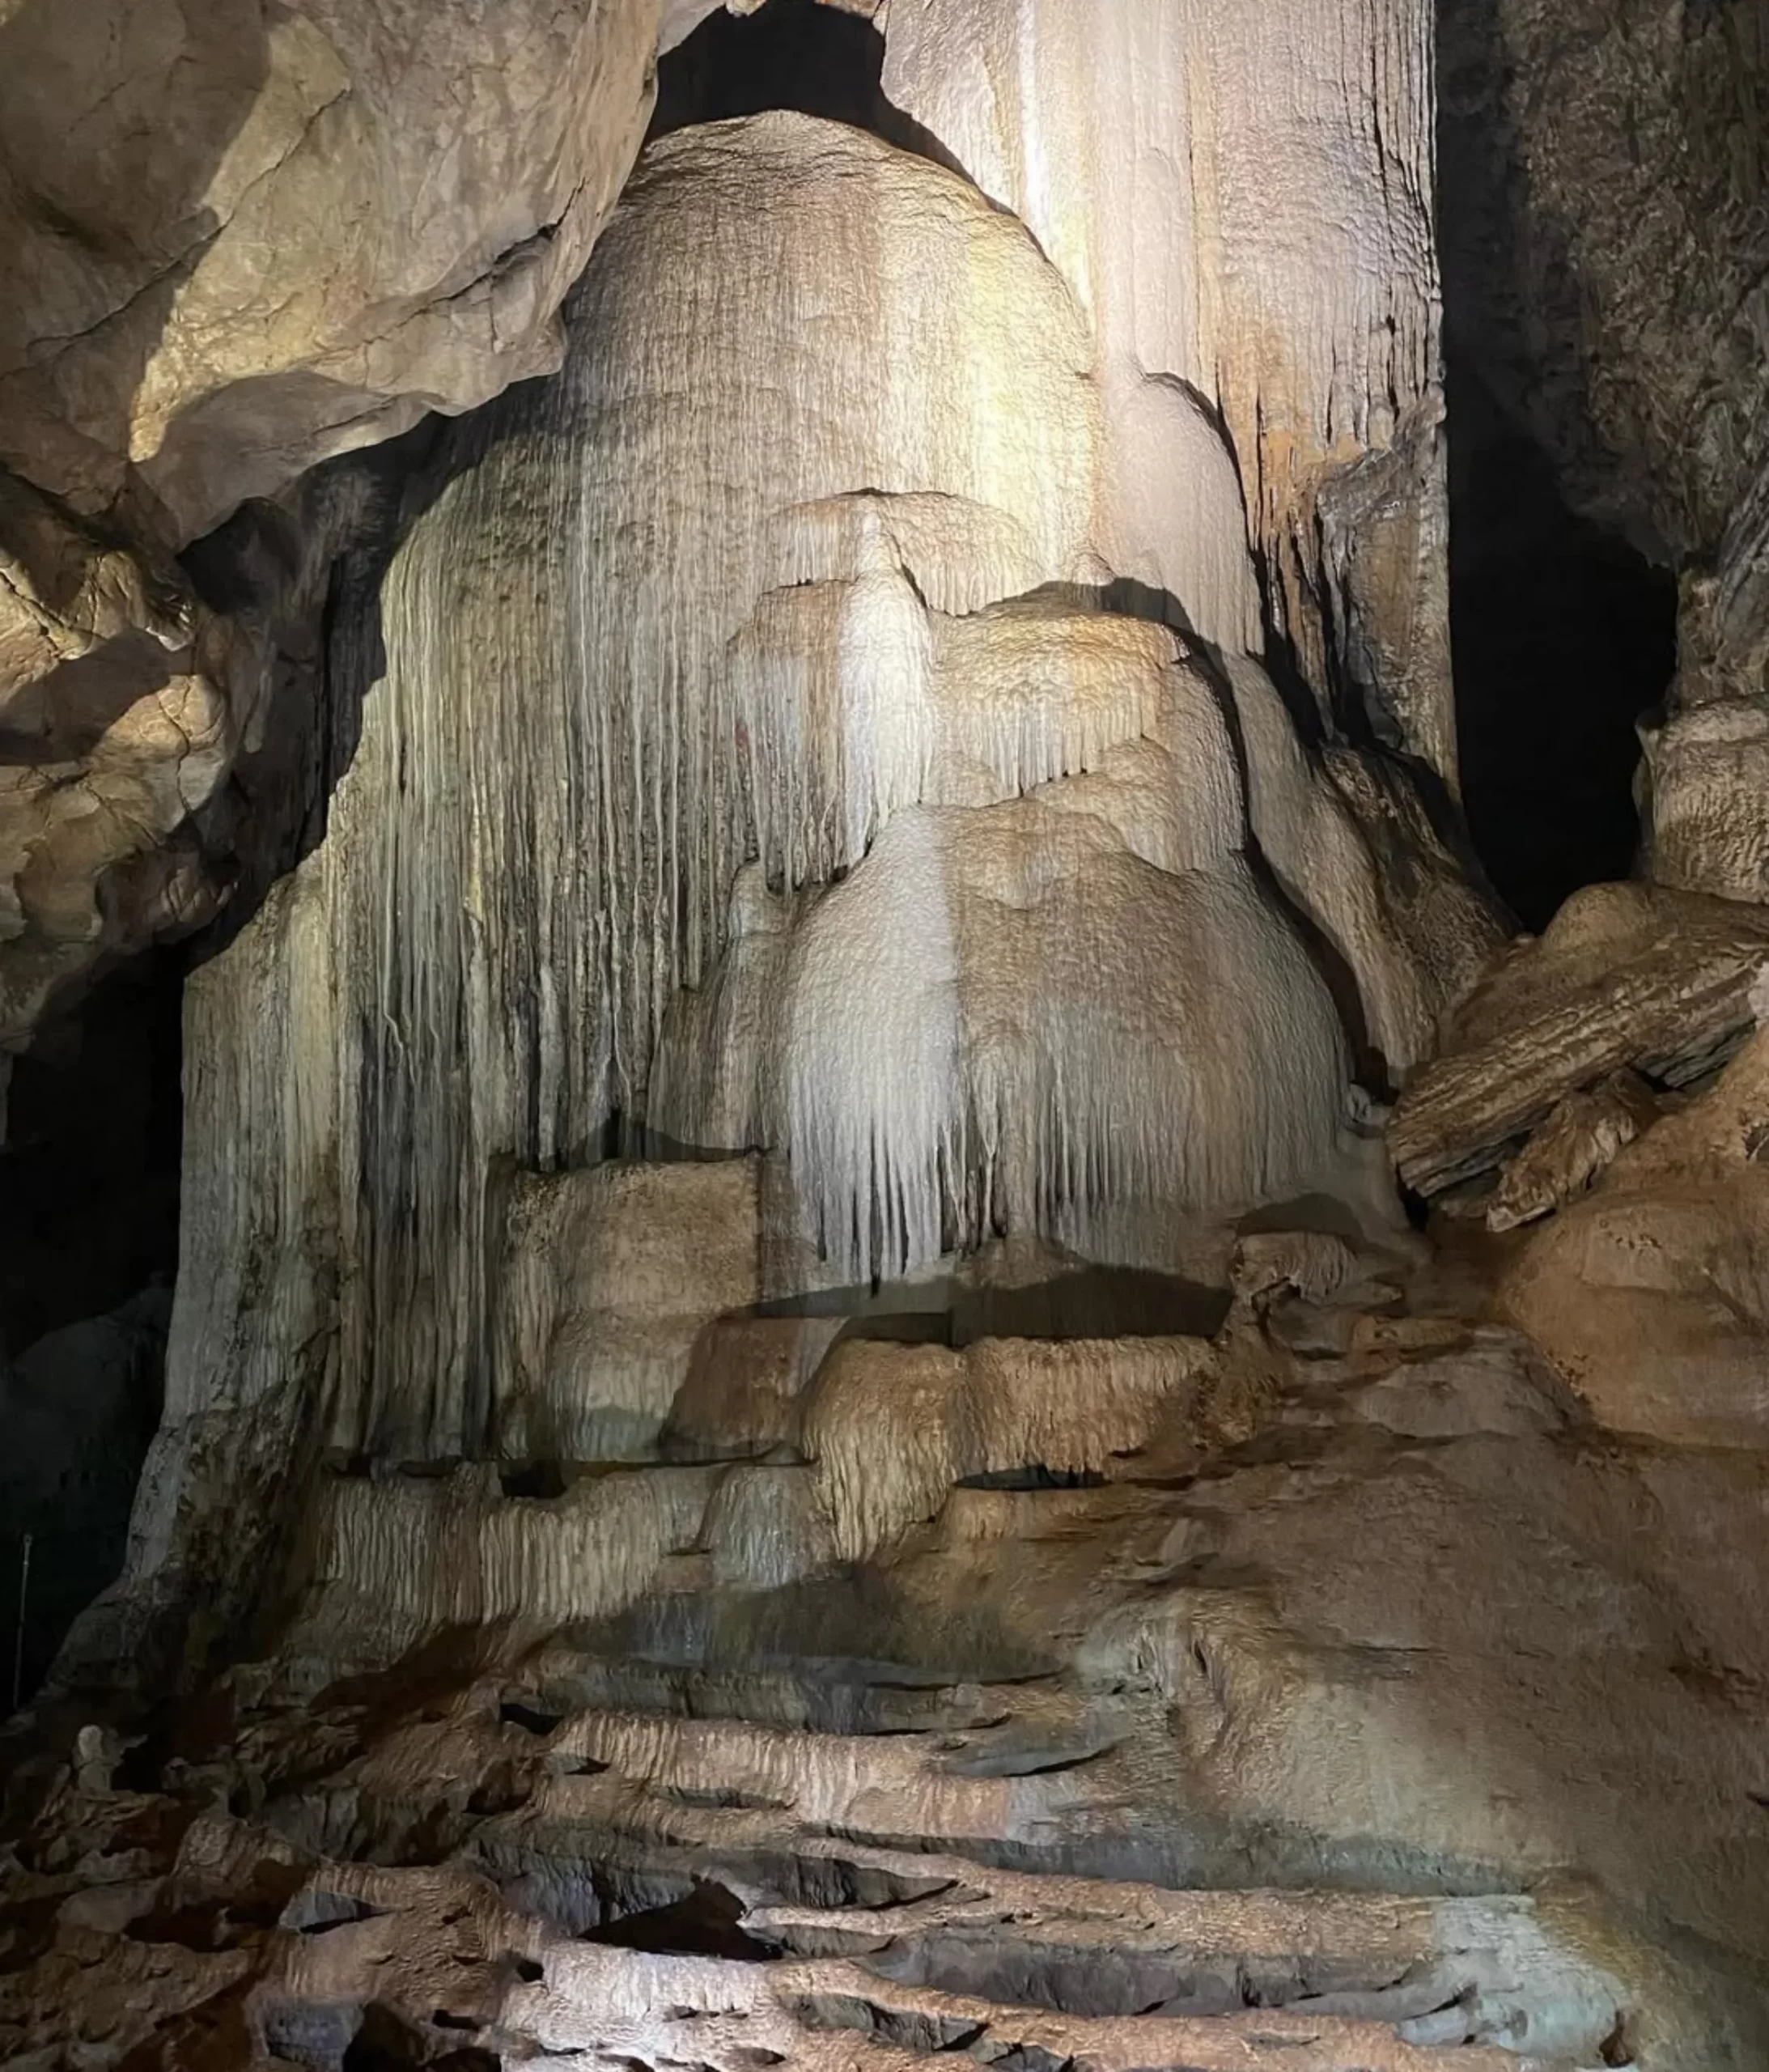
[89, 1190]
[1563, 630]
[1563, 636]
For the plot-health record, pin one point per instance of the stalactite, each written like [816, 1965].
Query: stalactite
[548, 810]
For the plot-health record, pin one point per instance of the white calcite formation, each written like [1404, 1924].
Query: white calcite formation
[1240, 198]
[720, 619]
[370, 212]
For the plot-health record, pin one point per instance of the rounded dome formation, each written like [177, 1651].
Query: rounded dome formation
[784, 602]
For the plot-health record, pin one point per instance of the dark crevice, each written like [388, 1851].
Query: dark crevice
[1088, 1302]
[385, 2043]
[1565, 637]
[1563, 630]
[794, 54]
[514, 1712]
[705, 1922]
[1034, 1476]
[89, 1188]
[904, 2028]
[541, 1481]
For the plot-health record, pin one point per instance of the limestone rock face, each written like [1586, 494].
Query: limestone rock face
[1581, 1136]
[801, 1426]
[1707, 778]
[1626, 975]
[235, 246]
[374, 213]
[1605, 167]
[1608, 187]
[360, 214]
[610, 1277]
[1157, 1699]
[122, 702]
[1652, 1296]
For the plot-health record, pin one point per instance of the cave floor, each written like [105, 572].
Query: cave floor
[1380, 1713]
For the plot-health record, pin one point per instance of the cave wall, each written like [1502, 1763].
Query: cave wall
[1603, 182]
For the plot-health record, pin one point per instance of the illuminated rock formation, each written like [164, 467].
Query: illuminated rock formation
[121, 703]
[634, 640]
[363, 213]
[1279, 161]
[1028, 1690]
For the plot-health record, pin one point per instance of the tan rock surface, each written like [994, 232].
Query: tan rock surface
[359, 214]
[122, 702]
[1651, 1297]
[1626, 975]
[1581, 1136]
[1250, 1766]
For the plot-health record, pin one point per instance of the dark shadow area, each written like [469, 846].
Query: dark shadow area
[705, 1922]
[326, 637]
[1563, 635]
[1033, 1478]
[1563, 630]
[107, 192]
[1091, 1301]
[89, 1177]
[385, 2043]
[539, 1481]
[89, 1168]
[797, 54]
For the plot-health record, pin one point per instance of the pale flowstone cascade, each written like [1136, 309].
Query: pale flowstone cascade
[1006, 1019]
[751, 763]
[1241, 199]
[370, 212]
[544, 820]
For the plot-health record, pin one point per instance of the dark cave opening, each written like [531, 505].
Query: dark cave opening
[1562, 616]
[1563, 636]
[89, 1184]
[797, 54]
